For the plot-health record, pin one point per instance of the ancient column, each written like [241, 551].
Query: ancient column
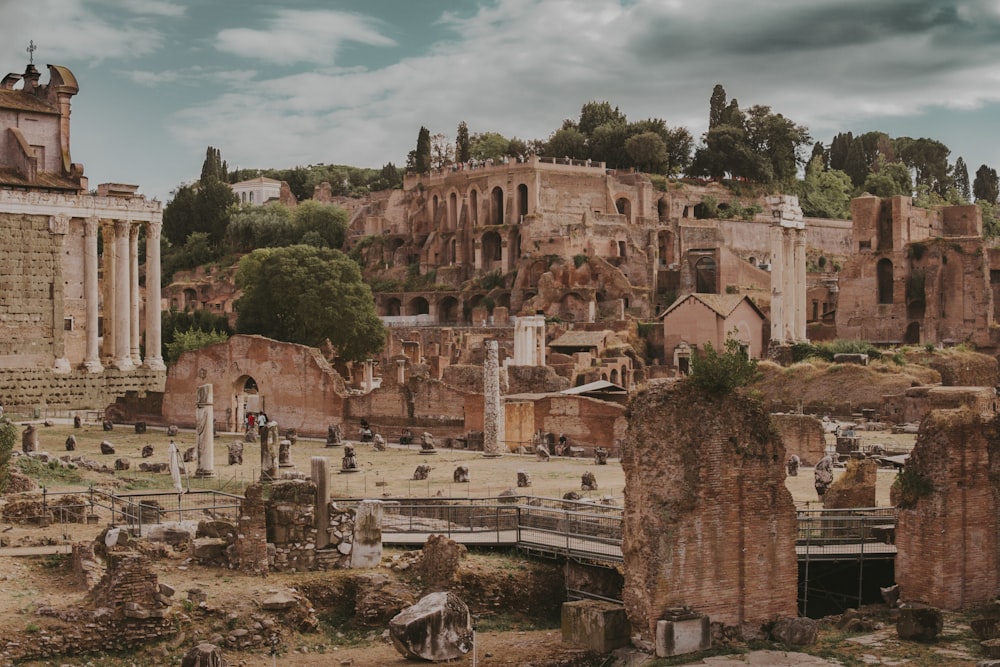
[107, 228]
[799, 328]
[777, 282]
[366, 550]
[92, 359]
[154, 339]
[319, 467]
[58, 227]
[493, 426]
[133, 264]
[205, 431]
[401, 371]
[123, 306]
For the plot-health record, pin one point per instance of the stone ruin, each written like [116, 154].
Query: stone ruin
[29, 439]
[334, 435]
[802, 435]
[422, 472]
[948, 500]
[349, 463]
[523, 479]
[823, 475]
[600, 456]
[147, 451]
[235, 452]
[427, 443]
[461, 475]
[541, 453]
[378, 442]
[792, 465]
[439, 562]
[107, 447]
[588, 482]
[855, 487]
[437, 628]
[717, 488]
[71, 443]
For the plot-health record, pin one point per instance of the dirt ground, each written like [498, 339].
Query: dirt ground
[43, 580]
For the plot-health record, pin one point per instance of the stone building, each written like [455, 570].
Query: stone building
[73, 319]
[257, 191]
[916, 275]
[697, 319]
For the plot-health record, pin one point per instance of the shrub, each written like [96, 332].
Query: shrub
[722, 372]
[579, 260]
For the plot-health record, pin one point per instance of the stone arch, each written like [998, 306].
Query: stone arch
[624, 207]
[435, 203]
[474, 206]
[243, 388]
[418, 306]
[391, 307]
[492, 248]
[624, 374]
[613, 378]
[190, 298]
[449, 311]
[522, 200]
[706, 276]
[496, 206]
[453, 211]
[912, 335]
[883, 271]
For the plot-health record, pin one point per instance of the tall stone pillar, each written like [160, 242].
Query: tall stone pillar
[154, 338]
[401, 371]
[107, 228]
[493, 423]
[58, 228]
[133, 294]
[788, 278]
[366, 549]
[92, 358]
[123, 308]
[319, 468]
[799, 329]
[777, 283]
[205, 426]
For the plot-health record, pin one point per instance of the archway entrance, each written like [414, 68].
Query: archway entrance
[247, 400]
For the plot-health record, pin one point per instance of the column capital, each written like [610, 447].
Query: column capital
[121, 227]
[90, 226]
[133, 232]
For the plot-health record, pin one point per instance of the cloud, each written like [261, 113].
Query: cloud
[162, 8]
[297, 36]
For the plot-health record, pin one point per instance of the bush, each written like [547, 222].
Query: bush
[721, 373]
[192, 339]
[8, 439]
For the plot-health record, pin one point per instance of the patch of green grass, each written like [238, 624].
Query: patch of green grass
[49, 474]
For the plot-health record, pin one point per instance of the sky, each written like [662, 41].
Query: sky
[300, 82]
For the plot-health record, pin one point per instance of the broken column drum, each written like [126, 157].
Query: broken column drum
[205, 432]
[493, 421]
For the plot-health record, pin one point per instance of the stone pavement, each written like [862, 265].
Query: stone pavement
[764, 659]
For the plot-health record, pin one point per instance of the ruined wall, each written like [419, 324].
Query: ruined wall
[708, 520]
[30, 284]
[250, 549]
[948, 525]
[299, 388]
[915, 403]
[24, 389]
[855, 487]
[802, 435]
[586, 422]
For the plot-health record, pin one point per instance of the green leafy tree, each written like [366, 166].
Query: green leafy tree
[890, 180]
[389, 178]
[303, 294]
[594, 114]
[192, 339]
[174, 323]
[442, 152]
[211, 168]
[825, 193]
[489, 146]
[679, 143]
[253, 227]
[929, 160]
[567, 142]
[462, 146]
[960, 175]
[607, 144]
[200, 207]
[986, 186]
[647, 151]
[8, 439]
[720, 373]
[327, 223]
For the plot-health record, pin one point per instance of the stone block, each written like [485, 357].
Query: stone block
[686, 632]
[595, 624]
[437, 628]
[919, 623]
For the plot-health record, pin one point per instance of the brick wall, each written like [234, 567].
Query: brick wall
[24, 389]
[708, 520]
[947, 540]
[802, 436]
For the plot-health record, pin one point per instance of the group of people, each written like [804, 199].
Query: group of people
[254, 419]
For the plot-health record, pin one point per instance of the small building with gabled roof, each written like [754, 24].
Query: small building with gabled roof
[696, 319]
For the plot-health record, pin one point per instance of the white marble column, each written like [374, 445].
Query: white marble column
[799, 329]
[205, 430]
[777, 283]
[58, 228]
[92, 359]
[107, 228]
[133, 269]
[122, 353]
[154, 339]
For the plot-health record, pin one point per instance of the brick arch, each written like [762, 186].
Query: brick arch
[418, 306]
[623, 206]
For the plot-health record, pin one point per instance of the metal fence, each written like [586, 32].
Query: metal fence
[837, 532]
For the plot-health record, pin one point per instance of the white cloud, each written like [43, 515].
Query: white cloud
[296, 36]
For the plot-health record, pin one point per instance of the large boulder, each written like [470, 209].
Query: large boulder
[919, 623]
[204, 655]
[795, 631]
[437, 628]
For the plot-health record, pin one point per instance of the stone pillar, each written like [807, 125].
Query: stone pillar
[92, 359]
[206, 432]
[58, 228]
[788, 282]
[777, 283]
[400, 371]
[319, 467]
[269, 451]
[367, 546]
[154, 338]
[122, 352]
[133, 268]
[107, 228]
[799, 328]
[368, 376]
[493, 426]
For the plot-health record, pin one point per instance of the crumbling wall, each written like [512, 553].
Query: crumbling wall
[948, 526]
[855, 487]
[250, 549]
[708, 521]
[802, 436]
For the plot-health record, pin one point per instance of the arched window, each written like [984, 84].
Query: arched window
[705, 276]
[883, 272]
[522, 199]
[497, 200]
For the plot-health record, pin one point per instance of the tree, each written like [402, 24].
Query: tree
[568, 142]
[200, 207]
[839, 148]
[211, 168]
[986, 186]
[890, 180]
[175, 323]
[442, 152]
[489, 146]
[325, 223]
[679, 143]
[192, 339]
[716, 105]
[825, 193]
[462, 145]
[419, 160]
[607, 144]
[721, 373]
[647, 150]
[594, 114]
[929, 159]
[855, 164]
[960, 175]
[306, 295]
[252, 227]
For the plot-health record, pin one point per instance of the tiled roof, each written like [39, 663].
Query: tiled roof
[721, 304]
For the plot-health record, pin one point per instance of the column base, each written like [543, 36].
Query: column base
[155, 364]
[204, 474]
[93, 366]
[123, 364]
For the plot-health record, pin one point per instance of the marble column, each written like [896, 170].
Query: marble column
[154, 339]
[108, 348]
[58, 228]
[319, 470]
[92, 358]
[799, 330]
[133, 271]
[205, 428]
[122, 352]
[777, 283]
[493, 424]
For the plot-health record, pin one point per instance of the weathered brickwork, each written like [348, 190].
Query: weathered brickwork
[709, 522]
[948, 527]
[30, 282]
[22, 389]
[802, 436]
